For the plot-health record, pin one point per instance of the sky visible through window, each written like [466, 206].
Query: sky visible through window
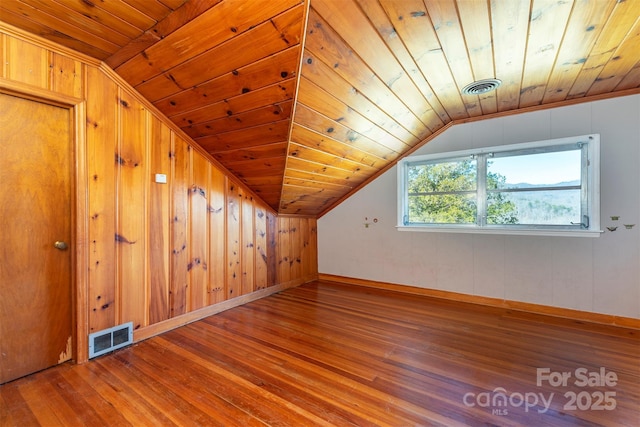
[541, 169]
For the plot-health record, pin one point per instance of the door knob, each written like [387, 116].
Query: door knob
[61, 245]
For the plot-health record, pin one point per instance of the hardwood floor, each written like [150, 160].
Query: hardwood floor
[333, 354]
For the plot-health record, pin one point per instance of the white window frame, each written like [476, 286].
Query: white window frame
[590, 191]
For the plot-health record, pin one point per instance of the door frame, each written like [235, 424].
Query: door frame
[79, 205]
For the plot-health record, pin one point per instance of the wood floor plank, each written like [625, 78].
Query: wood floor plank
[333, 354]
[307, 374]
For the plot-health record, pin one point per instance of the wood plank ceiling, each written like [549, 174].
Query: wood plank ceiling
[307, 102]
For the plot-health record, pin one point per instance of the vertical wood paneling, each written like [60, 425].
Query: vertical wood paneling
[284, 250]
[158, 251]
[272, 249]
[133, 173]
[305, 242]
[234, 212]
[296, 233]
[159, 215]
[261, 249]
[27, 63]
[248, 245]
[198, 231]
[66, 75]
[217, 236]
[312, 264]
[179, 229]
[3, 58]
[101, 140]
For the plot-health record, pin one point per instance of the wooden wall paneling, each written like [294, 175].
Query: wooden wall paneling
[179, 227]
[296, 235]
[198, 231]
[159, 224]
[217, 236]
[66, 75]
[27, 63]
[133, 181]
[234, 218]
[272, 249]
[3, 59]
[101, 140]
[148, 243]
[284, 256]
[305, 256]
[261, 248]
[80, 221]
[313, 247]
[248, 245]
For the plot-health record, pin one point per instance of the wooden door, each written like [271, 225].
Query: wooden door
[35, 213]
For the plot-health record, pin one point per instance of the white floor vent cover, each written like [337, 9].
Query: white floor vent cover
[107, 340]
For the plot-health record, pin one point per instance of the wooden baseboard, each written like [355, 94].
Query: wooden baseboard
[578, 315]
[176, 322]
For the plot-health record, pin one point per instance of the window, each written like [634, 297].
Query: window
[547, 187]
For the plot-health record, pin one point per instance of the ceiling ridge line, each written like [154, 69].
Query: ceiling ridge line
[302, 43]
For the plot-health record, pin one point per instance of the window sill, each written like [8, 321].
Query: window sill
[503, 231]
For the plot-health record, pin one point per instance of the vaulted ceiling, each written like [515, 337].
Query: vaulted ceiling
[306, 102]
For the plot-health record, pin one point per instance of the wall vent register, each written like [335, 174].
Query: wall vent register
[111, 339]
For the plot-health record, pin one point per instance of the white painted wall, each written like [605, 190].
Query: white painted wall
[600, 275]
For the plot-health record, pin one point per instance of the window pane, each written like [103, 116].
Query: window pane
[561, 168]
[546, 187]
[446, 176]
[553, 207]
[457, 179]
[443, 209]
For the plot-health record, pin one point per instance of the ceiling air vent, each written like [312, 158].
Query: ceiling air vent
[481, 86]
[107, 340]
